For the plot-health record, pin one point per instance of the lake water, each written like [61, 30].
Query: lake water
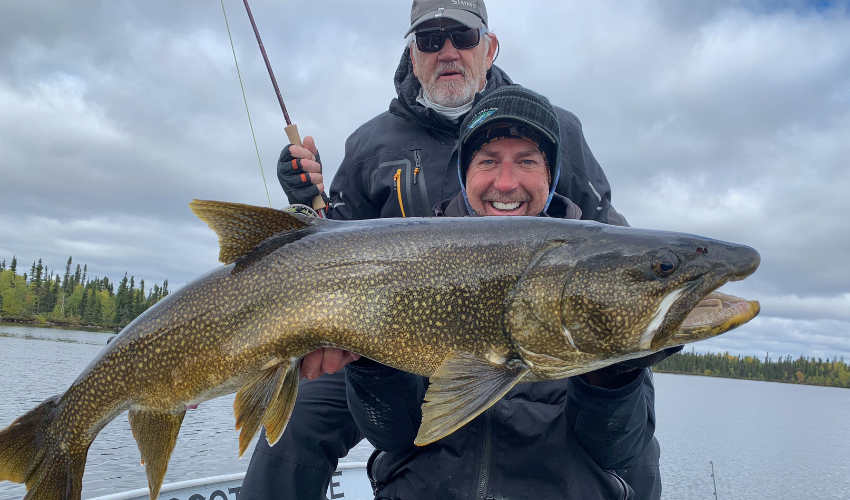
[766, 440]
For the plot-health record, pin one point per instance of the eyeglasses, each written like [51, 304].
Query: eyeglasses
[464, 38]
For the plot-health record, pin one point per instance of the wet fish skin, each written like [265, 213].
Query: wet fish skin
[476, 304]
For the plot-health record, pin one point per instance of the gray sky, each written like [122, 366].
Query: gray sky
[729, 120]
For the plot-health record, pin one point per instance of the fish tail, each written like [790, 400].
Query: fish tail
[31, 453]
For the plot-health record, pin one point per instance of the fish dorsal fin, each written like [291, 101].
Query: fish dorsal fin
[241, 228]
[156, 434]
[267, 399]
[463, 387]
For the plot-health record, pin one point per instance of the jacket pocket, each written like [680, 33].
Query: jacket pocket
[388, 188]
[400, 187]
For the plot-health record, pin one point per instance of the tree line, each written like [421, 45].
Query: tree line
[73, 298]
[803, 370]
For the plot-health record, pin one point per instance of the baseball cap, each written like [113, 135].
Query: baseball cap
[471, 13]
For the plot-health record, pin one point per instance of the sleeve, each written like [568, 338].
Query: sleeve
[349, 193]
[386, 403]
[319, 432]
[582, 179]
[616, 425]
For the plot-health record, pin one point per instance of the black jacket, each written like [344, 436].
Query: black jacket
[560, 439]
[409, 150]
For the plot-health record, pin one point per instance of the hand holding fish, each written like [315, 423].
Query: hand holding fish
[325, 360]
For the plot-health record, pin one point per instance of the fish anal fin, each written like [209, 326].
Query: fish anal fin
[156, 434]
[461, 388]
[241, 228]
[264, 400]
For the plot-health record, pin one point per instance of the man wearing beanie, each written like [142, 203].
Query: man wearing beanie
[399, 164]
[564, 439]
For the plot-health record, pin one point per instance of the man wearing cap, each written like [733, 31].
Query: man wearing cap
[564, 439]
[398, 165]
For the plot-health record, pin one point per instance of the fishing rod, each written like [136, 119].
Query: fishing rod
[291, 129]
[713, 479]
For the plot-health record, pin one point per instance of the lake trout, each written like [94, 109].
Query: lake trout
[477, 304]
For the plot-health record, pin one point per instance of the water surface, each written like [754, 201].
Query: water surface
[766, 440]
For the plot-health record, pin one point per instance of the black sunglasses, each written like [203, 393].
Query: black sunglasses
[463, 38]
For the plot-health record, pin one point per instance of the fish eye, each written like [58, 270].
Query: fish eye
[665, 264]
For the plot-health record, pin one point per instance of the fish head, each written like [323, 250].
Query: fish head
[630, 292]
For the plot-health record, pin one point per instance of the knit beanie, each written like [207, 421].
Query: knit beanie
[511, 111]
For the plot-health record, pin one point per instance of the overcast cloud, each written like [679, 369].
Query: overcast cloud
[729, 120]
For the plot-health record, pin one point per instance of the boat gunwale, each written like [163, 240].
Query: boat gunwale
[204, 481]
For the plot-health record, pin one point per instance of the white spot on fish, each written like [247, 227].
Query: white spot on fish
[663, 307]
[569, 337]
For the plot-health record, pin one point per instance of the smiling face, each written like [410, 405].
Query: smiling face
[508, 177]
[451, 77]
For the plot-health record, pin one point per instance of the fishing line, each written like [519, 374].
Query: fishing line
[246, 104]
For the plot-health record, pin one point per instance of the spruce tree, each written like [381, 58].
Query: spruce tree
[96, 308]
[81, 309]
[77, 276]
[32, 273]
[123, 302]
[66, 282]
[139, 300]
[85, 270]
[37, 275]
[3, 266]
[14, 265]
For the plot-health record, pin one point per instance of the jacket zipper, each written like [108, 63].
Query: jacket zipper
[397, 187]
[484, 475]
[417, 169]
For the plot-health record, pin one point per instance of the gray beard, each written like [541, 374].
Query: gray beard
[451, 94]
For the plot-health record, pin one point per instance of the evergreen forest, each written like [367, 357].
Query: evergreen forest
[72, 297]
[803, 370]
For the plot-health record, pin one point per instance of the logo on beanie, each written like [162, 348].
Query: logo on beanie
[481, 117]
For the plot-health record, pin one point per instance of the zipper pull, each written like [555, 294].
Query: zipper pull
[397, 187]
[417, 169]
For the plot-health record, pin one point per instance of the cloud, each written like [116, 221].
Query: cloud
[726, 119]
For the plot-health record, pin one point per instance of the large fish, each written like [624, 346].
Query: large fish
[476, 304]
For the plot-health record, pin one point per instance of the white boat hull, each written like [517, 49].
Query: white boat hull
[349, 482]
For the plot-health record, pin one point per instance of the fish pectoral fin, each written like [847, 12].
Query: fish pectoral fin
[461, 388]
[268, 399]
[156, 434]
[241, 228]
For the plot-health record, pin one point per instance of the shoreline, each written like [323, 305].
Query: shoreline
[35, 322]
[742, 378]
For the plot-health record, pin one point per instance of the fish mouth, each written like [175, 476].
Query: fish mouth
[716, 313]
[702, 311]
